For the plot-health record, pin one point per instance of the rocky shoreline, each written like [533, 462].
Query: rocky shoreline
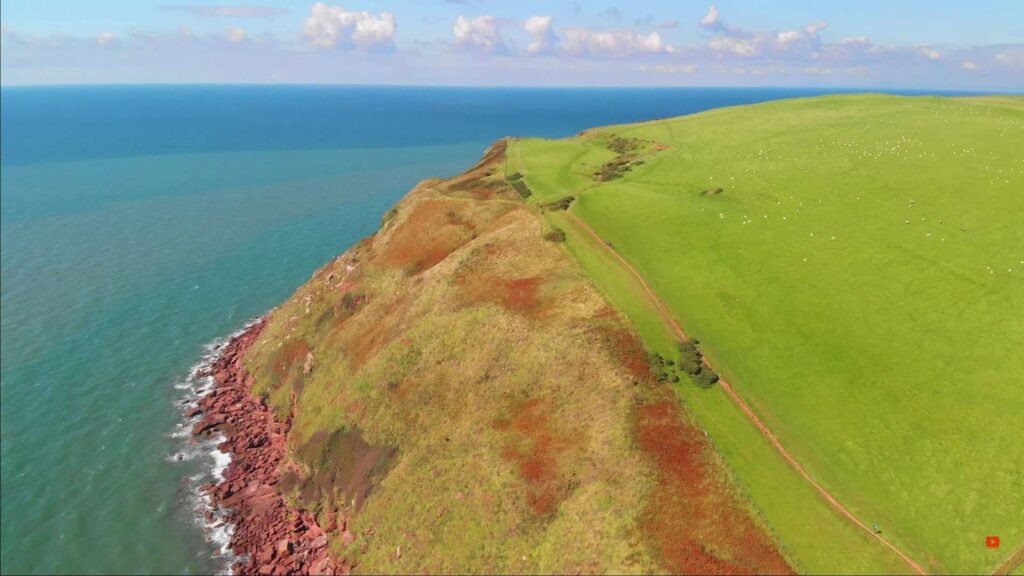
[269, 537]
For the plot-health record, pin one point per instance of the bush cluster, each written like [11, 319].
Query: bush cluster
[560, 204]
[521, 187]
[622, 145]
[613, 169]
[691, 361]
[555, 235]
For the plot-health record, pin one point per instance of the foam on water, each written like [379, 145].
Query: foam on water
[195, 386]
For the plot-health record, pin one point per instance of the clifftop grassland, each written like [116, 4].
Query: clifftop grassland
[463, 399]
[854, 268]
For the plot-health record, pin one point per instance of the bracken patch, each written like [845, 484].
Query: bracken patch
[622, 344]
[696, 524]
[427, 236]
[519, 295]
[535, 447]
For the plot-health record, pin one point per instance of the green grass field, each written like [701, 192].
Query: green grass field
[859, 279]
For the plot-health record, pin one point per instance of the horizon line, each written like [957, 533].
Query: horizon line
[879, 89]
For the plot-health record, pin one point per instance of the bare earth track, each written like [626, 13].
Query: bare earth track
[667, 317]
[1016, 558]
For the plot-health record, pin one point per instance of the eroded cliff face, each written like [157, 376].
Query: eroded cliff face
[453, 395]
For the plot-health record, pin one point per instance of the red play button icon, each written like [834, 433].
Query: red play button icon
[992, 541]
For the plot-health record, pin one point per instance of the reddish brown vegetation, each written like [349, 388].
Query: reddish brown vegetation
[427, 236]
[622, 344]
[535, 447]
[694, 521]
[519, 295]
[367, 342]
[292, 354]
[272, 537]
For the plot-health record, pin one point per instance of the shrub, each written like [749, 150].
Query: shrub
[560, 204]
[515, 176]
[555, 235]
[622, 145]
[690, 358]
[706, 378]
[521, 187]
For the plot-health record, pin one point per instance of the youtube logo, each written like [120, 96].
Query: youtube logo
[992, 541]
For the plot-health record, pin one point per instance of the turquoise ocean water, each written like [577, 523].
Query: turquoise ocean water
[140, 224]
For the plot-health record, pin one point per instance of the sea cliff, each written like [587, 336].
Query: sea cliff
[453, 394]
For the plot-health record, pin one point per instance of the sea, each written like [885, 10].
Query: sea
[141, 225]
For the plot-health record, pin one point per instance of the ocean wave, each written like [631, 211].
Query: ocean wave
[205, 452]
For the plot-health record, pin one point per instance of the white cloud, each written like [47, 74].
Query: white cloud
[737, 42]
[813, 28]
[542, 36]
[785, 38]
[968, 65]
[234, 35]
[480, 33]
[711, 20]
[615, 43]
[929, 52]
[729, 45]
[105, 38]
[330, 26]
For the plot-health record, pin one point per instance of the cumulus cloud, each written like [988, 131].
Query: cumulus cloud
[732, 41]
[105, 38]
[786, 38]
[235, 35]
[480, 33]
[929, 52]
[613, 43]
[813, 28]
[333, 26]
[712, 20]
[968, 65]
[231, 11]
[736, 46]
[542, 36]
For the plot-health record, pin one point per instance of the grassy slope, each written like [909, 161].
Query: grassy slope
[818, 540]
[486, 357]
[889, 358]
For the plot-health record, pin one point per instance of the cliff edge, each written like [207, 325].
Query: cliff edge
[453, 395]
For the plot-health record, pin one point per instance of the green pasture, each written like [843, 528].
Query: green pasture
[854, 266]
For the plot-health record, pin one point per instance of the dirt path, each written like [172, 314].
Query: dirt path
[664, 313]
[1012, 561]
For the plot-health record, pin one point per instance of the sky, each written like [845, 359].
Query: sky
[926, 44]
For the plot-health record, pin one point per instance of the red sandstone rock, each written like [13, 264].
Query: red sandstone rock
[276, 538]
